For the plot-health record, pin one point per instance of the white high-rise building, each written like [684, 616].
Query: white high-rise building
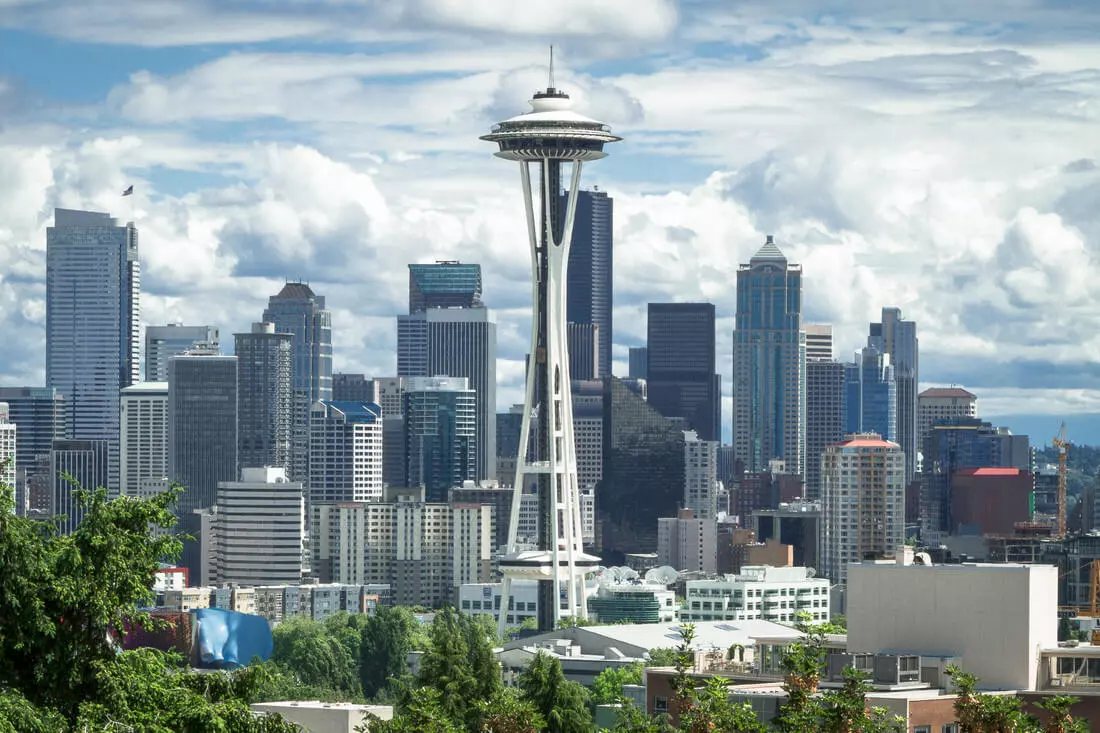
[588, 432]
[863, 500]
[7, 450]
[819, 341]
[259, 527]
[687, 542]
[143, 453]
[423, 550]
[345, 452]
[942, 403]
[700, 476]
[93, 322]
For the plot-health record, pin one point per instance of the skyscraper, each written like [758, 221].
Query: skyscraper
[680, 370]
[769, 363]
[352, 388]
[259, 529]
[700, 476]
[589, 276]
[143, 454]
[638, 359]
[863, 498]
[85, 462]
[346, 453]
[456, 342]
[93, 321]
[297, 310]
[440, 434]
[164, 342]
[939, 404]
[39, 413]
[826, 416]
[265, 400]
[897, 338]
[444, 284]
[584, 350]
[819, 341]
[871, 395]
[202, 427]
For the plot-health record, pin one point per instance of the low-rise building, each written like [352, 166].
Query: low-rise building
[483, 599]
[325, 717]
[759, 592]
[636, 603]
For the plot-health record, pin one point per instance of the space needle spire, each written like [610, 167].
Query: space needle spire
[553, 140]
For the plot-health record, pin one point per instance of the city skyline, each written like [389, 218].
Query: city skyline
[907, 217]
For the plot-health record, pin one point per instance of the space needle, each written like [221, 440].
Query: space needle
[550, 135]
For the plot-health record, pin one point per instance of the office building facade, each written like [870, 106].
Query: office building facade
[681, 380]
[8, 442]
[265, 399]
[588, 432]
[39, 414]
[826, 416]
[769, 363]
[352, 388]
[863, 502]
[143, 454]
[637, 361]
[819, 342]
[259, 529]
[346, 452]
[941, 404]
[93, 322]
[75, 464]
[444, 284]
[297, 310]
[897, 338]
[202, 427]
[164, 342]
[441, 437]
[589, 280]
[688, 543]
[871, 395]
[456, 342]
[700, 476]
[583, 345]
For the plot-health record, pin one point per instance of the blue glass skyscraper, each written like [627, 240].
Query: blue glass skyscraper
[871, 395]
[769, 363]
[93, 321]
[445, 284]
[681, 374]
[897, 338]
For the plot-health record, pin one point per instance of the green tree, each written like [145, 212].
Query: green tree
[803, 664]
[459, 664]
[64, 599]
[422, 712]
[569, 622]
[607, 687]
[981, 713]
[845, 710]
[319, 654]
[662, 657]
[507, 711]
[385, 643]
[562, 703]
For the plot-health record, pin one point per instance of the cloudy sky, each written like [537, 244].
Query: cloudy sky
[937, 156]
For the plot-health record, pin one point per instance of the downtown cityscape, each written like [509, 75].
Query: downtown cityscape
[576, 455]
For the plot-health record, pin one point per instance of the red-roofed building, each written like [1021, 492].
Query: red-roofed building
[990, 500]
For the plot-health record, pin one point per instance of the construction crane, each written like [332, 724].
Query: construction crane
[1062, 445]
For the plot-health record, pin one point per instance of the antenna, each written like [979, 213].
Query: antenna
[551, 85]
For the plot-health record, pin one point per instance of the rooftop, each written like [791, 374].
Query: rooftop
[989, 471]
[769, 252]
[946, 392]
[709, 635]
[295, 291]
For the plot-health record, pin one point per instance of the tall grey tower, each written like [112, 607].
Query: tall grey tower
[264, 397]
[301, 313]
[769, 363]
[551, 135]
[456, 342]
[897, 338]
[680, 366]
[93, 320]
[589, 290]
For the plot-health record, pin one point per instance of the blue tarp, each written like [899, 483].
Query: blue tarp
[227, 639]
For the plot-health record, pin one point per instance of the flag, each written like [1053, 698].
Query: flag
[129, 191]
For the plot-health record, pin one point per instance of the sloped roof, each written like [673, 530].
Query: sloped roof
[769, 252]
[295, 291]
[946, 392]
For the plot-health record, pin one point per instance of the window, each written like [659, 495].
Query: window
[660, 704]
[922, 729]
[950, 728]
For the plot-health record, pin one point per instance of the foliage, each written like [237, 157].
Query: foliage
[422, 712]
[569, 622]
[319, 654]
[384, 649]
[459, 663]
[1065, 629]
[63, 599]
[803, 664]
[562, 704]
[982, 713]
[845, 710]
[508, 712]
[662, 657]
[607, 688]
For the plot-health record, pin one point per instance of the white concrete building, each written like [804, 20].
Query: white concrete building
[389, 394]
[345, 454]
[995, 617]
[588, 516]
[483, 599]
[325, 717]
[419, 548]
[700, 475]
[7, 448]
[759, 592]
[259, 528]
[588, 432]
[688, 543]
[143, 446]
[863, 500]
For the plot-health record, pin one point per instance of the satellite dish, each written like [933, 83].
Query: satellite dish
[811, 573]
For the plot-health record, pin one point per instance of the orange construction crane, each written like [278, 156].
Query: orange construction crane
[1063, 476]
